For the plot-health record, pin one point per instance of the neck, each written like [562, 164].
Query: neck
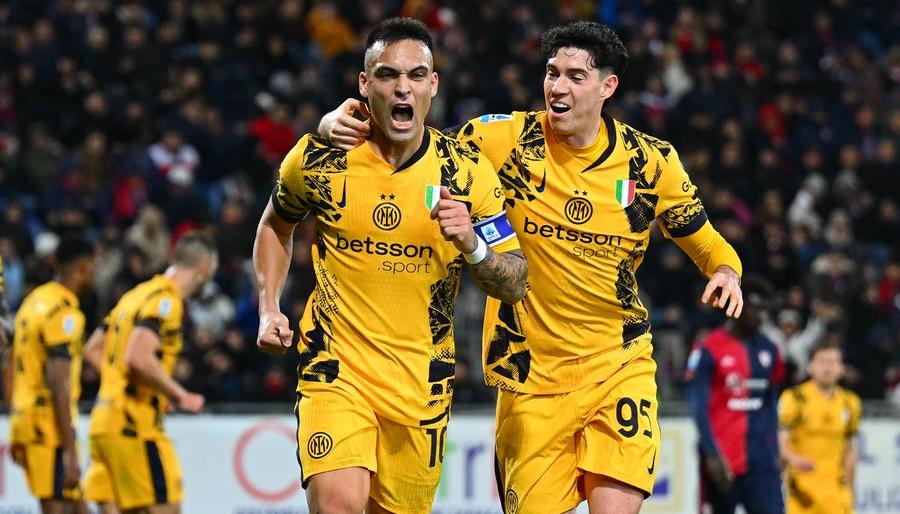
[826, 389]
[585, 137]
[182, 278]
[740, 333]
[391, 152]
[69, 281]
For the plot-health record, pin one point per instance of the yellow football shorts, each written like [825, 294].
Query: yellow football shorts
[96, 483]
[545, 444]
[337, 429]
[142, 472]
[818, 497]
[43, 467]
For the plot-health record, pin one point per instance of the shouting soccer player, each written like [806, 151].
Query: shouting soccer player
[142, 339]
[576, 416]
[819, 420]
[733, 376]
[46, 385]
[396, 219]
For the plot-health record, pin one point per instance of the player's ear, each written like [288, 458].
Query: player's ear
[363, 85]
[608, 85]
[434, 83]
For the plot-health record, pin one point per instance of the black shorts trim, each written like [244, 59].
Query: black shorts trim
[58, 478]
[157, 474]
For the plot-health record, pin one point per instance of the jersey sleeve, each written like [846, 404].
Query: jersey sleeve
[679, 210]
[488, 214]
[788, 409]
[494, 135]
[290, 198]
[855, 414]
[160, 313]
[700, 370]
[61, 329]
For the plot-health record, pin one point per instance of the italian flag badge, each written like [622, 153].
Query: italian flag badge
[625, 192]
[432, 196]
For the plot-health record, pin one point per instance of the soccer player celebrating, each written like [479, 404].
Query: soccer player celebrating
[576, 416]
[732, 378]
[819, 420]
[143, 339]
[46, 384]
[396, 218]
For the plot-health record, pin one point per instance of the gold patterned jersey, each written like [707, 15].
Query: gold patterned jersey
[820, 428]
[48, 324]
[126, 405]
[381, 316]
[583, 218]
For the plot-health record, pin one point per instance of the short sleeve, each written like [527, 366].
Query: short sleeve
[289, 198]
[62, 328]
[494, 135]
[679, 209]
[161, 313]
[855, 414]
[488, 212]
[788, 409]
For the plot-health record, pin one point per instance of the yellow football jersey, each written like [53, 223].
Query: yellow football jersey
[125, 405]
[820, 427]
[381, 315]
[48, 323]
[583, 218]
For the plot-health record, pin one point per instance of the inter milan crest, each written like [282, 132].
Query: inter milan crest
[386, 215]
[579, 210]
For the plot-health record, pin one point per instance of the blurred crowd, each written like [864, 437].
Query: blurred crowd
[138, 120]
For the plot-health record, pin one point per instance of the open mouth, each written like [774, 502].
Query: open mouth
[402, 114]
[560, 108]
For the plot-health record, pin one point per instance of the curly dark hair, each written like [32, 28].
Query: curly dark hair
[398, 29]
[600, 41]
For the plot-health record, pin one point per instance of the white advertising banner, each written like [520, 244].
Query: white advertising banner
[247, 465]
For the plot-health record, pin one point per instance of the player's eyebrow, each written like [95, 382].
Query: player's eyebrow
[384, 67]
[569, 71]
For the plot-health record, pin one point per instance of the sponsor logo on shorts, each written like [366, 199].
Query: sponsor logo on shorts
[319, 445]
[386, 214]
[512, 501]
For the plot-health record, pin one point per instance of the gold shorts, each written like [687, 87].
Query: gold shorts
[142, 472]
[547, 443]
[43, 467]
[818, 497]
[337, 429]
[96, 483]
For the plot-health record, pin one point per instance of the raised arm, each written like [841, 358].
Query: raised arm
[347, 126]
[271, 261]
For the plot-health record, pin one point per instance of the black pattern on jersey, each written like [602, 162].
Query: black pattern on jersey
[326, 370]
[442, 362]
[452, 156]
[467, 130]
[635, 318]
[685, 219]
[320, 157]
[319, 197]
[515, 174]
[500, 358]
[643, 209]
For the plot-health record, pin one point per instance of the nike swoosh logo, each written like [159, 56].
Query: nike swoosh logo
[343, 202]
[652, 467]
[540, 188]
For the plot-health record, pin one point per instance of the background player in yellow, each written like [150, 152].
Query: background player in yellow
[819, 420]
[46, 363]
[142, 340]
[396, 218]
[582, 190]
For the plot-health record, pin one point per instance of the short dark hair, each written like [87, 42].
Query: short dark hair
[755, 284]
[72, 248]
[192, 247]
[825, 346]
[396, 29]
[600, 41]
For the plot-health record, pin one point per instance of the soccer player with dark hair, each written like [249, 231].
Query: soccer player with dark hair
[139, 343]
[396, 220]
[818, 424]
[733, 376]
[576, 416]
[46, 383]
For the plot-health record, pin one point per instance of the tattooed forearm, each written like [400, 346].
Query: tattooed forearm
[502, 275]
